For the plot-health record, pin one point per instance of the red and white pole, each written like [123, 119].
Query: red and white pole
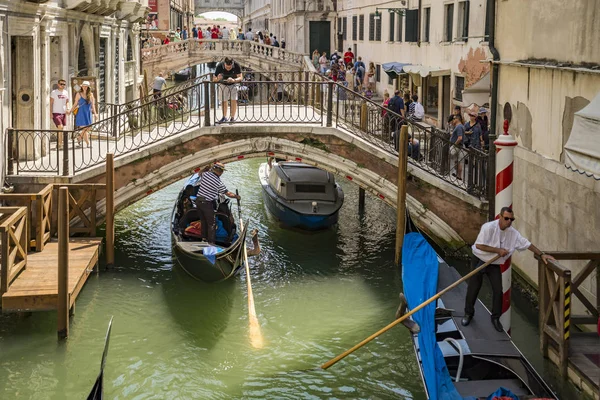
[505, 157]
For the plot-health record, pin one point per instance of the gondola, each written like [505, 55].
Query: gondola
[183, 75]
[456, 361]
[97, 392]
[300, 195]
[208, 262]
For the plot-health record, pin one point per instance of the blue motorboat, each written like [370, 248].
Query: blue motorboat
[301, 195]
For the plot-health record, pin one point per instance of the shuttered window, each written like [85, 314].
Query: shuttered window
[345, 28]
[378, 73]
[371, 27]
[378, 29]
[354, 27]
[426, 22]
[361, 27]
[449, 22]
[392, 18]
[412, 25]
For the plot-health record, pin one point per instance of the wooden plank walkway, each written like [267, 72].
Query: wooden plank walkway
[36, 288]
[584, 354]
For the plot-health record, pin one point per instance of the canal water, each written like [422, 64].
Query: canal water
[316, 295]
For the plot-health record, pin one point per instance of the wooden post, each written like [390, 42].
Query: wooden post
[63, 263]
[110, 209]
[543, 301]
[364, 116]
[361, 200]
[401, 201]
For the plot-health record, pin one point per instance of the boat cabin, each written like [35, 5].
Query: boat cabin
[297, 181]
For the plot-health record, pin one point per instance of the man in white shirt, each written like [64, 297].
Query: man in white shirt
[495, 238]
[157, 85]
[59, 108]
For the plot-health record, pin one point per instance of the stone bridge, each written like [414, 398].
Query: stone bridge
[159, 141]
[235, 7]
[176, 56]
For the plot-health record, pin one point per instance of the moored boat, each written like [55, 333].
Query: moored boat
[208, 262]
[300, 195]
[456, 361]
[183, 75]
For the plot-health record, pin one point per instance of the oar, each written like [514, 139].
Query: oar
[256, 338]
[405, 316]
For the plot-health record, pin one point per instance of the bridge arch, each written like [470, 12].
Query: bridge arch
[157, 175]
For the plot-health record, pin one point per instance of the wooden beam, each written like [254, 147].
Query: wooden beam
[110, 209]
[63, 263]
[401, 200]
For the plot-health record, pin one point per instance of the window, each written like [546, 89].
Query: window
[412, 25]
[378, 29]
[426, 19]
[431, 101]
[392, 18]
[390, 80]
[371, 27]
[361, 27]
[459, 86]
[354, 27]
[487, 25]
[463, 21]
[448, 25]
[345, 28]
[339, 26]
[308, 188]
[399, 28]
[378, 73]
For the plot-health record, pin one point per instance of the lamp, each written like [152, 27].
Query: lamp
[399, 11]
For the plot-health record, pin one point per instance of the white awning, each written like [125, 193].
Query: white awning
[582, 151]
[478, 93]
[424, 71]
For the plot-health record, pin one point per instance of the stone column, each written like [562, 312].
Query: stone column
[45, 77]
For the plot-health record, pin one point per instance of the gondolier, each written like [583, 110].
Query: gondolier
[206, 199]
[495, 237]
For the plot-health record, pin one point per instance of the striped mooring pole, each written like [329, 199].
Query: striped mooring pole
[505, 157]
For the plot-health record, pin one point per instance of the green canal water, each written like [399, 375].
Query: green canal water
[316, 295]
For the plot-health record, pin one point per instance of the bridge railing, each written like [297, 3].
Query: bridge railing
[277, 97]
[219, 48]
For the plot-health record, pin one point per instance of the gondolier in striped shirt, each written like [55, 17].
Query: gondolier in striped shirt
[206, 199]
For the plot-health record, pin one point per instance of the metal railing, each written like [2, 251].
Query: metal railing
[270, 97]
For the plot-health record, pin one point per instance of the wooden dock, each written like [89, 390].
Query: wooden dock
[36, 288]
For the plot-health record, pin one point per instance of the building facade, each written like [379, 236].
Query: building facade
[41, 43]
[541, 87]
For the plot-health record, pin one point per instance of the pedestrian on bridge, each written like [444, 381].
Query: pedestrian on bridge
[59, 108]
[495, 237]
[229, 75]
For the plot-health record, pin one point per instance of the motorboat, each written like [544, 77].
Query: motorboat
[300, 195]
[208, 262]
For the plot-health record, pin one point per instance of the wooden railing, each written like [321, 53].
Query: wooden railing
[83, 198]
[39, 209]
[555, 288]
[13, 238]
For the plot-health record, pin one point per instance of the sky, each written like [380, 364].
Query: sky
[220, 14]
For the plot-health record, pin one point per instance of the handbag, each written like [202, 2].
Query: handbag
[75, 110]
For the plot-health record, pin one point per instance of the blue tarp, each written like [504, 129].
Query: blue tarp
[419, 277]
[393, 69]
[211, 253]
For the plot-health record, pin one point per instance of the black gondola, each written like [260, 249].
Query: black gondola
[97, 392]
[477, 360]
[208, 262]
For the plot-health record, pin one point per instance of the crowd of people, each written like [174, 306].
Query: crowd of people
[214, 32]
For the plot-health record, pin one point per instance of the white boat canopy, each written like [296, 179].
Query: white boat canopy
[582, 151]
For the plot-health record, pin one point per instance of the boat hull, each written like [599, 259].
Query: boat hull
[294, 219]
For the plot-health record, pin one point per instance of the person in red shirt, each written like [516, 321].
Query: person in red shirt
[166, 41]
[214, 32]
[348, 56]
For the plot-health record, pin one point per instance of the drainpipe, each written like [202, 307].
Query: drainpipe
[419, 24]
[491, 176]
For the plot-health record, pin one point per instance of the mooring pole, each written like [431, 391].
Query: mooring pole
[110, 209]
[401, 200]
[361, 200]
[63, 263]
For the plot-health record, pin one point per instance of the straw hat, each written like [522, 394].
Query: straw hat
[86, 83]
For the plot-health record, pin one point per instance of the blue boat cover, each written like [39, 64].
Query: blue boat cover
[211, 252]
[419, 277]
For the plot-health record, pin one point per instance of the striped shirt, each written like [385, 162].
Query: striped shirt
[211, 186]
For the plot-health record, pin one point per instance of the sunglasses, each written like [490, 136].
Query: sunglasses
[508, 219]
[61, 84]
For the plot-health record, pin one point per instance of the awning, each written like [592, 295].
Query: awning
[582, 151]
[425, 71]
[393, 69]
[478, 93]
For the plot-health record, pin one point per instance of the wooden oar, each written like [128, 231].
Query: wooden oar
[256, 338]
[405, 316]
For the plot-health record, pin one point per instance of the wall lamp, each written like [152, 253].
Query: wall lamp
[399, 11]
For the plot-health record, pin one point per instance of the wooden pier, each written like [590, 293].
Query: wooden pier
[575, 351]
[48, 272]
